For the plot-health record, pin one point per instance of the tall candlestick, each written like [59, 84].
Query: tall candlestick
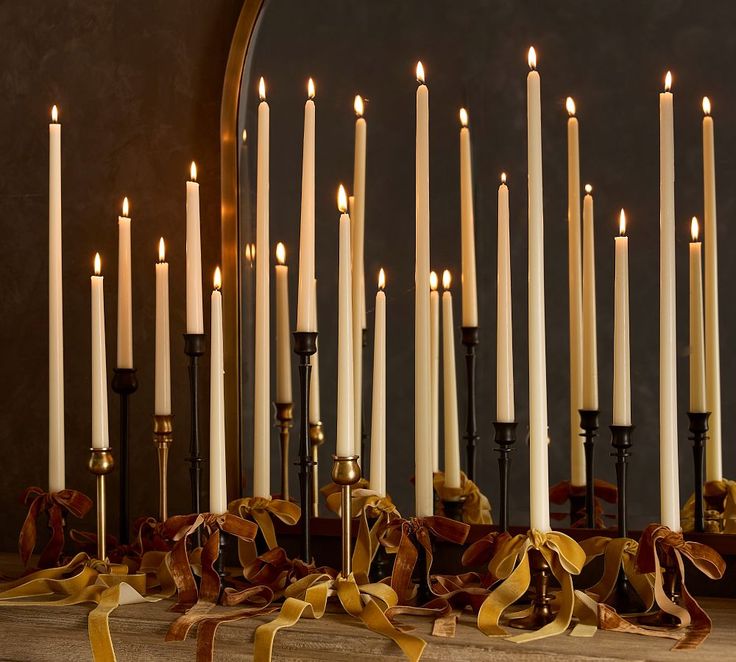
[262, 359]
[305, 308]
[125, 291]
[713, 463]
[56, 312]
[575, 296]
[590, 340]
[697, 339]
[314, 398]
[195, 315]
[423, 491]
[100, 430]
[504, 326]
[467, 226]
[621, 346]
[434, 371]
[345, 403]
[162, 401]
[218, 484]
[378, 417]
[538, 464]
[668, 459]
[449, 393]
[283, 350]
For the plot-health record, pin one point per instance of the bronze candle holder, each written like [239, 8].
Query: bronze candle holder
[124, 383]
[589, 425]
[698, 435]
[163, 436]
[453, 508]
[345, 473]
[316, 439]
[284, 415]
[100, 464]
[541, 609]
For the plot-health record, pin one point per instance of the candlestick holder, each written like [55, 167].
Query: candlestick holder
[284, 415]
[541, 608]
[316, 439]
[305, 345]
[220, 564]
[589, 425]
[100, 464]
[698, 430]
[421, 575]
[194, 348]
[672, 586]
[124, 383]
[621, 441]
[470, 340]
[505, 438]
[346, 473]
[163, 436]
[453, 508]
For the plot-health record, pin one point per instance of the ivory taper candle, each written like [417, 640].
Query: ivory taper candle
[590, 339]
[162, 397]
[125, 291]
[344, 429]
[467, 227]
[218, 482]
[697, 339]
[621, 346]
[434, 372]
[504, 326]
[449, 392]
[283, 349]
[378, 415]
[100, 430]
[195, 314]
[314, 398]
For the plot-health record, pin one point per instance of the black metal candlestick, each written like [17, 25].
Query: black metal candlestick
[621, 442]
[305, 345]
[698, 430]
[194, 347]
[124, 383]
[505, 438]
[589, 425]
[453, 508]
[470, 340]
[220, 564]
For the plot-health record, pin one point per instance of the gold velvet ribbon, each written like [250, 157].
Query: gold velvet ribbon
[81, 580]
[476, 507]
[603, 490]
[717, 519]
[511, 565]
[369, 504]
[332, 493]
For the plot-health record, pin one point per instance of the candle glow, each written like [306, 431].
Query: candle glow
[280, 253]
[54, 114]
[420, 72]
[193, 172]
[694, 229]
[381, 279]
[446, 279]
[463, 117]
[342, 199]
[310, 89]
[668, 82]
[706, 106]
[503, 177]
[217, 280]
[98, 264]
[588, 189]
[161, 250]
[358, 105]
[126, 207]
[433, 280]
[622, 224]
[532, 58]
[570, 105]
[261, 92]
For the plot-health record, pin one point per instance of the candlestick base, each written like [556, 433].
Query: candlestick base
[589, 425]
[470, 340]
[284, 415]
[124, 383]
[163, 436]
[541, 607]
[316, 439]
[621, 442]
[100, 464]
[346, 473]
[505, 437]
[194, 348]
[672, 585]
[698, 435]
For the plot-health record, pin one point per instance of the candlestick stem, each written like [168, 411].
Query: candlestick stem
[100, 464]
[124, 383]
[220, 565]
[194, 348]
[505, 438]
[698, 435]
[316, 438]
[163, 436]
[589, 425]
[345, 473]
[470, 340]
[541, 612]
[284, 414]
[453, 508]
[621, 441]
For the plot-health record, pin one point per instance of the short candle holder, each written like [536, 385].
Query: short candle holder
[453, 508]
[194, 348]
[470, 340]
[698, 435]
[589, 425]
[505, 438]
[541, 610]
[163, 436]
[305, 345]
[124, 383]
[100, 464]
[316, 439]
[346, 473]
[284, 415]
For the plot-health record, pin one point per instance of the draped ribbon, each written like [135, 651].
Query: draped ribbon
[369, 504]
[481, 553]
[79, 581]
[603, 490]
[332, 493]
[261, 510]
[717, 519]
[476, 507]
[510, 564]
[54, 504]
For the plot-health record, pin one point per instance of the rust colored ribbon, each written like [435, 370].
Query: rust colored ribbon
[481, 553]
[561, 492]
[720, 517]
[54, 504]
[476, 507]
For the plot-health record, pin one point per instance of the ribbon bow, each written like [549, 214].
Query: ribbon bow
[562, 491]
[476, 507]
[54, 504]
[720, 517]
[369, 504]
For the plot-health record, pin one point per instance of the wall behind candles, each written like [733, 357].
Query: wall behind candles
[138, 87]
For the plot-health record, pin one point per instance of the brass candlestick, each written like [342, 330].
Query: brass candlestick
[316, 438]
[101, 464]
[345, 473]
[163, 435]
[284, 415]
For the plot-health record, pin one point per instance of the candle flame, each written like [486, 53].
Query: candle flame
[706, 105]
[310, 88]
[247, 253]
[161, 250]
[446, 279]
[532, 58]
[245, 136]
[358, 105]
[280, 253]
[126, 206]
[262, 89]
[381, 279]
[342, 199]
[588, 189]
[668, 82]
[217, 280]
[463, 117]
[420, 72]
[433, 281]
[622, 223]
[253, 251]
[98, 264]
[503, 177]
[694, 228]
[54, 114]
[193, 170]
[570, 105]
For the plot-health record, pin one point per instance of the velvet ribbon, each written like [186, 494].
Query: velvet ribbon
[481, 553]
[476, 507]
[369, 504]
[561, 492]
[54, 504]
[717, 520]
[332, 493]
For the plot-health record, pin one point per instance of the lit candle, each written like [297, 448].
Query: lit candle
[467, 226]
[305, 307]
[504, 327]
[575, 295]
[590, 340]
[621, 346]
[195, 316]
[697, 340]
[283, 353]
[713, 462]
[100, 431]
[125, 291]
[262, 359]
[162, 397]
[314, 401]
[56, 312]
[378, 417]
[538, 466]
[423, 490]
[434, 372]
[668, 470]
[218, 484]
[449, 393]
[344, 430]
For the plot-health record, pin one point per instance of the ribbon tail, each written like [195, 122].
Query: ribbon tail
[98, 626]
[207, 629]
[291, 612]
[375, 619]
[502, 597]
[52, 551]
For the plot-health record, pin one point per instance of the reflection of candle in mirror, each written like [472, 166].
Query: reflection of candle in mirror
[344, 430]
[283, 353]
[504, 325]
[162, 403]
[378, 403]
[100, 431]
[218, 485]
[195, 315]
[697, 340]
[467, 227]
[449, 394]
[621, 346]
[125, 291]
[590, 338]
[434, 372]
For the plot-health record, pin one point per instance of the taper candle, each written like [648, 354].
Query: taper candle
[621, 346]
[590, 339]
[314, 397]
[434, 371]
[344, 429]
[195, 314]
[125, 291]
[449, 392]
[467, 227]
[504, 326]
[218, 482]
[283, 349]
[100, 430]
[378, 415]
[162, 396]
[697, 340]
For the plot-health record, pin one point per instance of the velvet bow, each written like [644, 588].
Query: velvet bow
[561, 492]
[476, 507]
